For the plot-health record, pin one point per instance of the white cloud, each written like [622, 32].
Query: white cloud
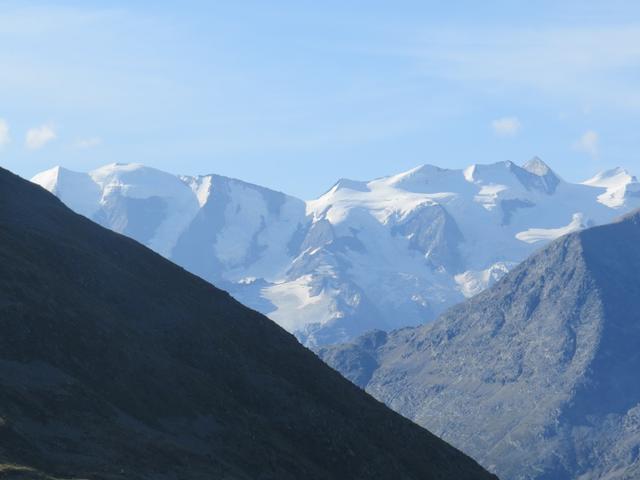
[38, 137]
[4, 133]
[506, 126]
[90, 142]
[588, 143]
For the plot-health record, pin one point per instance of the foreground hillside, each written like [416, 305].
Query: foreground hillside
[386, 253]
[537, 377]
[115, 363]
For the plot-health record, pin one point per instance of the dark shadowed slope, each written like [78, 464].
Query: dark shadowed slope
[538, 377]
[115, 363]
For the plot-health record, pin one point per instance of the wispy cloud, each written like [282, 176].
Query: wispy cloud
[27, 21]
[38, 137]
[506, 126]
[4, 133]
[85, 143]
[588, 143]
[590, 65]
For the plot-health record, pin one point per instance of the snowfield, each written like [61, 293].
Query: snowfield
[380, 254]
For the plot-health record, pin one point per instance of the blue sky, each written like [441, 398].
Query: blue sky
[293, 95]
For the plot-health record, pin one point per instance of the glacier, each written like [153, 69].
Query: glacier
[381, 254]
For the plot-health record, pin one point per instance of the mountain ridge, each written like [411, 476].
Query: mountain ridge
[538, 372]
[379, 254]
[116, 363]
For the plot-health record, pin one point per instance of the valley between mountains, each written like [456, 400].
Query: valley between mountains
[116, 364]
[538, 377]
[535, 375]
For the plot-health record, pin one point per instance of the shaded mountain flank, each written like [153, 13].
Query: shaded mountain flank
[117, 364]
[537, 377]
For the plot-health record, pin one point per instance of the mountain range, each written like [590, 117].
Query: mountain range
[537, 377]
[117, 364]
[380, 254]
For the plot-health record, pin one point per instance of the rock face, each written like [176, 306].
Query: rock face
[383, 254]
[537, 377]
[117, 364]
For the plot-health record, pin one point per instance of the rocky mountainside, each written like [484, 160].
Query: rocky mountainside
[383, 254]
[538, 376]
[117, 364]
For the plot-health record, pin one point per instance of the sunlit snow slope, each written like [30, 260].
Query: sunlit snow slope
[381, 254]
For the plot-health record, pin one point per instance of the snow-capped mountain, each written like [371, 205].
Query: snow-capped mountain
[117, 364]
[386, 253]
[537, 376]
[240, 236]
